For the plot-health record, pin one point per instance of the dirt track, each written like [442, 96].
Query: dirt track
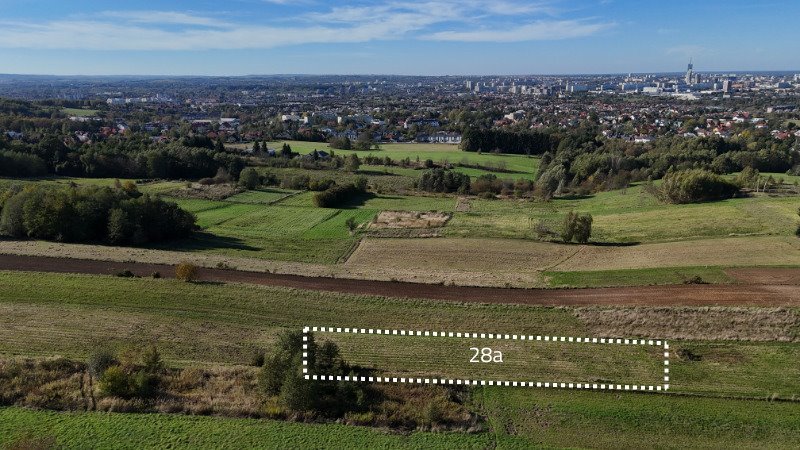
[781, 288]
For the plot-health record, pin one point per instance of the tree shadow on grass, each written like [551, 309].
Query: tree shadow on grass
[574, 197]
[613, 244]
[207, 241]
[358, 200]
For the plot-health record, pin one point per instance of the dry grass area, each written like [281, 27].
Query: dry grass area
[710, 323]
[460, 261]
[740, 251]
[409, 219]
[207, 192]
[500, 257]
[131, 254]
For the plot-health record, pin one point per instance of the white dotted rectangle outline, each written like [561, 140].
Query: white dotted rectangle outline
[522, 337]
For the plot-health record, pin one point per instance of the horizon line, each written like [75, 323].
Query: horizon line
[711, 71]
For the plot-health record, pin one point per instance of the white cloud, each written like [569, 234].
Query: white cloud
[161, 17]
[176, 31]
[537, 31]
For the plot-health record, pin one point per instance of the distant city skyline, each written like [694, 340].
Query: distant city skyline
[448, 37]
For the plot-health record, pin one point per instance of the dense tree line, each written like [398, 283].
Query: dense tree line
[119, 215]
[13, 164]
[520, 143]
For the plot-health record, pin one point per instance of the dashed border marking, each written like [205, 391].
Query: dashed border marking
[521, 337]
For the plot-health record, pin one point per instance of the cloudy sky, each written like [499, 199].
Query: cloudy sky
[239, 37]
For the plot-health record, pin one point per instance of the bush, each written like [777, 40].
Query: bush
[337, 195]
[114, 383]
[697, 185]
[577, 227]
[186, 272]
[99, 361]
[441, 180]
[249, 178]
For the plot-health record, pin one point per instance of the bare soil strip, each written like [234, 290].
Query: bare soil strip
[756, 295]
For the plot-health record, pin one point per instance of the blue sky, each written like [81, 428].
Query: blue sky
[456, 37]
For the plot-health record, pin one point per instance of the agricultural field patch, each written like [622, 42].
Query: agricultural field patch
[409, 219]
[263, 196]
[532, 261]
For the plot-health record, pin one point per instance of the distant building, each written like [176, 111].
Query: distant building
[410, 122]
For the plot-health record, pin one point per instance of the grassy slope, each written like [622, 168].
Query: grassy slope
[45, 314]
[631, 215]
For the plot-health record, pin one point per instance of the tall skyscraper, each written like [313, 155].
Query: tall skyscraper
[690, 73]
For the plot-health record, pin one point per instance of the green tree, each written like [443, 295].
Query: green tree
[352, 163]
[286, 151]
[119, 226]
[249, 178]
[577, 227]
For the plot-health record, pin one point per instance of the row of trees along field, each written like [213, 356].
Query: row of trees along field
[120, 215]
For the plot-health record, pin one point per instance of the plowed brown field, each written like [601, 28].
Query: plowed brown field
[778, 294]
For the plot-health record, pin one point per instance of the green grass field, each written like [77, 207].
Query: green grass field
[150, 431]
[283, 232]
[518, 166]
[519, 418]
[79, 112]
[264, 196]
[631, 215]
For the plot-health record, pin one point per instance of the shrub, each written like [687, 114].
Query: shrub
[351, 224]
[249, 178]
[336, 195]
[441, 180]
[114, 383]
[697, 185]
[186, 272]
[99, 361]
[577, 227]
